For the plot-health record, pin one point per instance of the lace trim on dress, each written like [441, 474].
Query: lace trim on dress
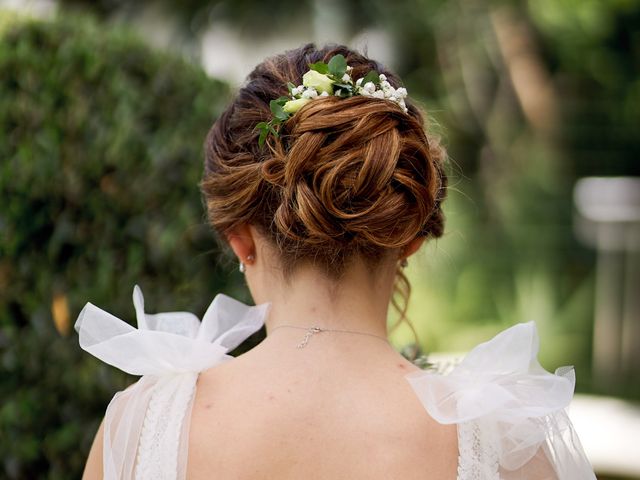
[159, 443]
[476, 461]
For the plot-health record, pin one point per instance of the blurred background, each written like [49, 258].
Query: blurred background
[104, 106]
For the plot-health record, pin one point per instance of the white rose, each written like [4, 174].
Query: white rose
[359, 81]
[292, 106]
[346, 78]
[383, 77]
[318, 81]
[401, 92]
[369, 87]
[378, 94]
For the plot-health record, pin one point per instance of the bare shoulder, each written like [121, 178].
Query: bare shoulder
[256, 418]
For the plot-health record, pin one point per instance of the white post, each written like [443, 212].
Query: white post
[609, 220]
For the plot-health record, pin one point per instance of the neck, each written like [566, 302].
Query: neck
[358, 303]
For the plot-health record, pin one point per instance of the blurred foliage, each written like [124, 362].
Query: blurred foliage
[195, 15]
[531, 96]
[101, 156]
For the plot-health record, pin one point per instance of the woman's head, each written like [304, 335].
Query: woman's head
[346, 179]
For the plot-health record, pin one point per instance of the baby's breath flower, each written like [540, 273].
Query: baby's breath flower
[369, 87]
[310, 93]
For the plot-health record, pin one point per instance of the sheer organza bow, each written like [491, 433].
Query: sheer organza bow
[145, 432]
[170, 342]
[518, 405]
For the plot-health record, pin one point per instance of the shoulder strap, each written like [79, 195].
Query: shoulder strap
[165, 429]
[510, 412]
[146, 425]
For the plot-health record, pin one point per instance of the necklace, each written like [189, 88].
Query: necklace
[310, 331]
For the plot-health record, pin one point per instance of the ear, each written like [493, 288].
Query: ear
[241, 240]
[412, 247]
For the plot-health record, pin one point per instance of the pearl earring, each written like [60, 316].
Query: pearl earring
[243, 267]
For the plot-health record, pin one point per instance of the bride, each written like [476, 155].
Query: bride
[322, 180]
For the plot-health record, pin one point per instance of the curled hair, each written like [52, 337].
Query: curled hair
[345, 178]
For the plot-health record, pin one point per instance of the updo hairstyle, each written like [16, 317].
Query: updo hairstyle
[345, 178]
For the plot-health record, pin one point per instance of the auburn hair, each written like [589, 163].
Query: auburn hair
[345, 178]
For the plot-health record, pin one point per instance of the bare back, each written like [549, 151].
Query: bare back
[315, 414]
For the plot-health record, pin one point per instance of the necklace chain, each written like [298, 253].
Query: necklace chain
[310, 331]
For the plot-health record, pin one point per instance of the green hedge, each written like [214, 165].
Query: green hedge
[100, 157]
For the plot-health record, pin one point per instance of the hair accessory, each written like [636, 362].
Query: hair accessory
[328, 79]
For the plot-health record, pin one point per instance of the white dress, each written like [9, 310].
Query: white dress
[510, 412]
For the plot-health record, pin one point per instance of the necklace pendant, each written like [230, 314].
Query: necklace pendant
[307, 336]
